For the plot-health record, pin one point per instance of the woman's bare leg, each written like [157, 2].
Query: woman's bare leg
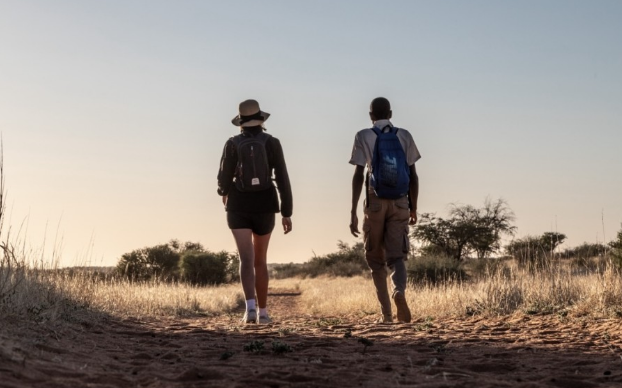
[260, 244]
[244, 241]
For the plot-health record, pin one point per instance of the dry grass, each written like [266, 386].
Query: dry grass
[50, 295]
[338, 296]
[121, 298]
[555, 291]
[47, 294]
[34, 288]
[42, 292]
[39, 292]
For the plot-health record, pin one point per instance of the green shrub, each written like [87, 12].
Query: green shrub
[289, 270]
[584, 265]
[535, 252]
[187, 246]
[347, 269]
[467, 230]
[233, 267]
[159, 262]
[585, 251]
[528, 252]
[616, 250]
[587, 257]
[202, 268]
[348, 261]
[434, 269]
[482, 268]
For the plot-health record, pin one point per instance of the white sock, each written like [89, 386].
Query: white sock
[250, 304]
[263, 312]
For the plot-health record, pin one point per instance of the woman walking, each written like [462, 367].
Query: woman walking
[246, 185]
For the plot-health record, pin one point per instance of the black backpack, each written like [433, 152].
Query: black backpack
[253, 172]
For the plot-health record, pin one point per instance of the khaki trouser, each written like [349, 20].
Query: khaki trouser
[385, 232]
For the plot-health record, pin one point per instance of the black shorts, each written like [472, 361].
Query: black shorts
[259, 223]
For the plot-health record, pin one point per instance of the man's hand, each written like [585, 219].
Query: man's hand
[224, 199]
[354, 225]
[413, 217]
[287, 224]
[357, 187]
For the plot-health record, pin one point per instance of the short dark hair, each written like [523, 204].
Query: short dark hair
[380, 108]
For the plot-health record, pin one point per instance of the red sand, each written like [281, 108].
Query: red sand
[517, 351]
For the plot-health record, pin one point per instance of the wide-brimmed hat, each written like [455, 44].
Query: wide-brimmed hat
[250, 115]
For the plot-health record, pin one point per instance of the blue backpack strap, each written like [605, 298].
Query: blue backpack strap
[377, 132]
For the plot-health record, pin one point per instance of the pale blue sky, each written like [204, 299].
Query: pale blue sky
[114, 114]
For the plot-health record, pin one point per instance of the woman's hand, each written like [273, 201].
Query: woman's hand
[287, 224]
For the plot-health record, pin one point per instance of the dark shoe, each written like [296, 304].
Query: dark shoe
[403, 312]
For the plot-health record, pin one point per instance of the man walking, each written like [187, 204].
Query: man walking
[392, 188]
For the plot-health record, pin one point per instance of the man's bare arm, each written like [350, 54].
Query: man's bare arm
[357, 187]
[413, 193]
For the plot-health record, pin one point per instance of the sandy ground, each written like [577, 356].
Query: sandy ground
[517, 351]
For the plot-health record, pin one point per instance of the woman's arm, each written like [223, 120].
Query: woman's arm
[282, 179]
[226, 171]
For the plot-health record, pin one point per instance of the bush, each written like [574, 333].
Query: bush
[289, 270]
[483, 268]
[187, 246]
[348, 261]
[616, 250]
[159, 262]
[585, 251]
[347, 269]
[233, 267]
[468, 229]
[535, 252]
[434, 269]
[203, 268]
[582, 264]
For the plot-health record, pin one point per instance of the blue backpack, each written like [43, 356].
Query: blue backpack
[389, 175]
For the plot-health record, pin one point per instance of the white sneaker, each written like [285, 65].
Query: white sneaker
[264, 320]
[250, 316]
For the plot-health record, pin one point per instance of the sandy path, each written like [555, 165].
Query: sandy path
[525, 351]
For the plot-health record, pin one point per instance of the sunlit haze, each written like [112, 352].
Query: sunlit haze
[114, 114]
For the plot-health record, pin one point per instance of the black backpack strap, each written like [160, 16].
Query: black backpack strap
[264, 137]
[237, 139]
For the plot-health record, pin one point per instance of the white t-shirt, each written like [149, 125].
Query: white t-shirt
[365, 140]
